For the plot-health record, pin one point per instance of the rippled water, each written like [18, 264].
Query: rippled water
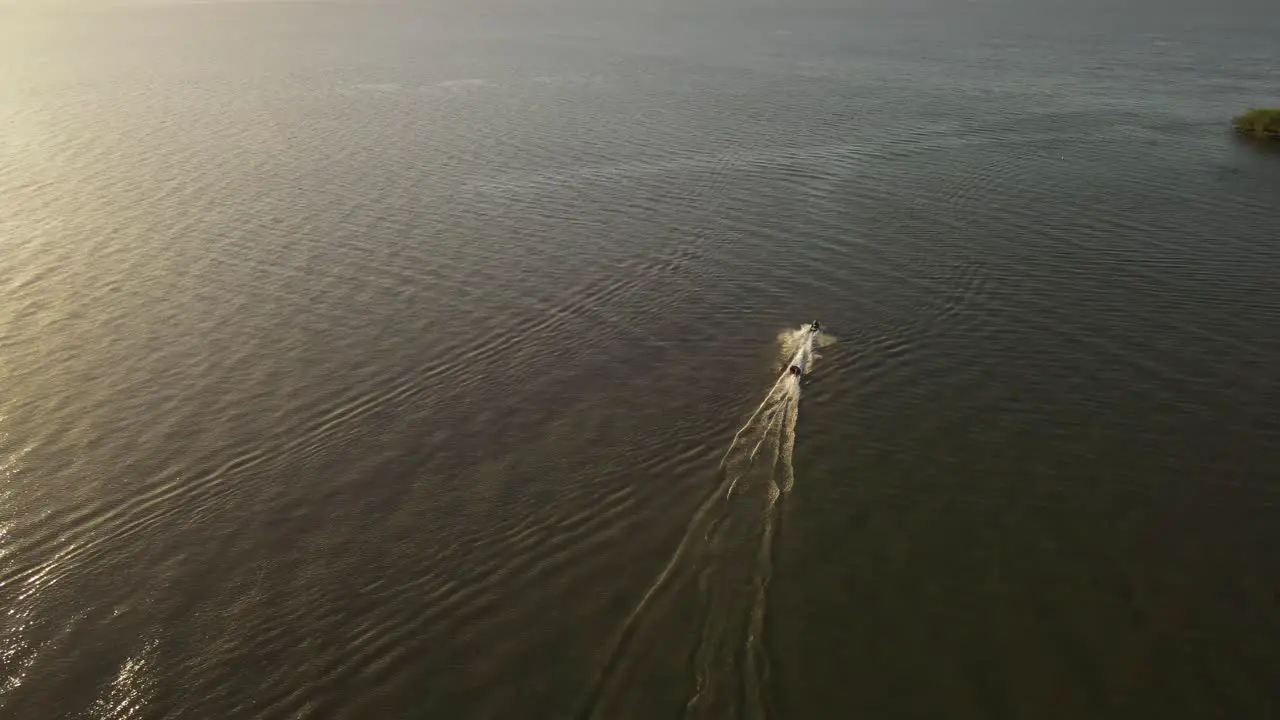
[378, 359]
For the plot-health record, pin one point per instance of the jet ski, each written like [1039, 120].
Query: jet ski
[795, 370]
[815, 327]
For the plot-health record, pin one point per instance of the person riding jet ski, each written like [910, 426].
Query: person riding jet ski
[794, 370]
[815, 327]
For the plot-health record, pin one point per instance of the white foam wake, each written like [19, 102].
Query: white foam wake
[714, 587]
[773, 423]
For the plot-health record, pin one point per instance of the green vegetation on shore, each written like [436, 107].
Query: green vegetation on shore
[1260, 122]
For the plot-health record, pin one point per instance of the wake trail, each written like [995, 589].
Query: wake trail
[773, 418]
[712, 592]
[763, 403]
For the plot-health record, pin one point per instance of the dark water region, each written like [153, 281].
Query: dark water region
[378, 359]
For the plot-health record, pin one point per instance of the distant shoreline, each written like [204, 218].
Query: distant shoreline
[1259, 122]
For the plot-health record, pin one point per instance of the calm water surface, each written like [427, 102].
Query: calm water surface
[377, 359]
